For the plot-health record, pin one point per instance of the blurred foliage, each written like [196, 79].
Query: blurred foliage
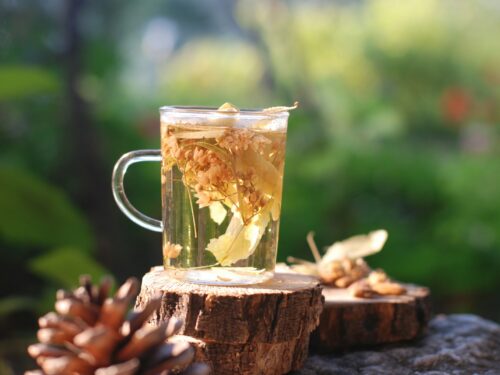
[235, 72]
[398, 129]
[34, 213]
[21, 81]
[405, 97]
[62, 265]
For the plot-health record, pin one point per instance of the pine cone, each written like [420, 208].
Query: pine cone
[90, 334]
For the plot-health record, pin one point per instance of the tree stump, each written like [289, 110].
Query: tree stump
[347, 321]
[256, 329]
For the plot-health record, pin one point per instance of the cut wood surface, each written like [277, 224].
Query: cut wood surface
[278, 310]
[347, 321]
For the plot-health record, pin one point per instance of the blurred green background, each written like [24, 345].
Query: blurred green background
[398, 128]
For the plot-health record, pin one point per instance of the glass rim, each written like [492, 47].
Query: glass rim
[203, 110]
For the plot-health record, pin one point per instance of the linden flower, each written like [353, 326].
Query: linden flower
[171, 250]
[241, 140]
[171, 144]
[204, 199]
[209, 168]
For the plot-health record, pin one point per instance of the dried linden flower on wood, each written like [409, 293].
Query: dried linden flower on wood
[343, 266]
[388, 288]
[358, 246]
[376, 284]
[362, 289]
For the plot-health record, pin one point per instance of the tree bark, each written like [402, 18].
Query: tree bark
[251, 358]
[348, 322]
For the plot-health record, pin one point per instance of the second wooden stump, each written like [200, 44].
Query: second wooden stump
[257, 329]
[348, 322]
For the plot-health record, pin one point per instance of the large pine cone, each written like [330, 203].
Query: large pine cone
[90, 334]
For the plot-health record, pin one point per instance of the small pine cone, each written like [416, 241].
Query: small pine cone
[91, 333]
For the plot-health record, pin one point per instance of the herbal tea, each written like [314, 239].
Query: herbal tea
[221, 178]
[221, 191]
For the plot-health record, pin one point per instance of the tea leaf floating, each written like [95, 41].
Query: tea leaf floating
[217, 212]
[240, 240]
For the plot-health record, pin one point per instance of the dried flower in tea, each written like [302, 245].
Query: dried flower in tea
[171, 250]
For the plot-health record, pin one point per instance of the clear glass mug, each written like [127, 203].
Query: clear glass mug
[222, 178]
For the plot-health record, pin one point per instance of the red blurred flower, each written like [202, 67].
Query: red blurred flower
[456, 104]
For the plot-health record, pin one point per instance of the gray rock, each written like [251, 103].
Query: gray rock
[454, 345]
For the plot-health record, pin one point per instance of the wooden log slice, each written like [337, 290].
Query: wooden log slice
[348, 322]
[251, 358]
[279, 310]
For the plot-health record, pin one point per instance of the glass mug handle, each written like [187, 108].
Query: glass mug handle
[119, 192]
